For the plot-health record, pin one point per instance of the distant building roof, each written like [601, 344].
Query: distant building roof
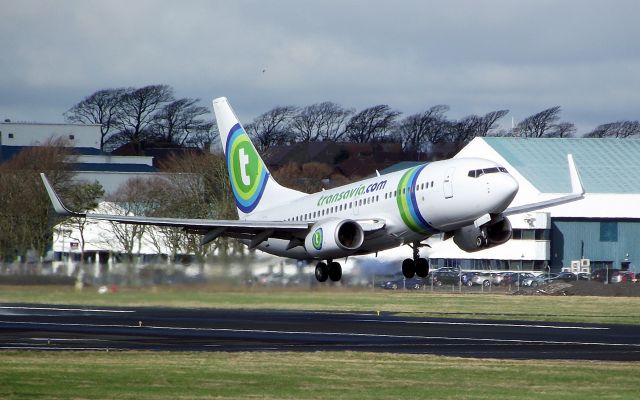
[606, 165]
[111, 167]
[8, 152]
[160, 151]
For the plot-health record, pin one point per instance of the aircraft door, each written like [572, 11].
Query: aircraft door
[448, 183]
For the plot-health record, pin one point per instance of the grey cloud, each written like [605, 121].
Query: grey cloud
[474, 56]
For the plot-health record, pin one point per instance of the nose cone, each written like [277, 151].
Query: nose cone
[503, 190]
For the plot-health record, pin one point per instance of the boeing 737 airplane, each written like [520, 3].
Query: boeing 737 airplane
[466, 199]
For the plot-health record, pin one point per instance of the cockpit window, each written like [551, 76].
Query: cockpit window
[476, 173]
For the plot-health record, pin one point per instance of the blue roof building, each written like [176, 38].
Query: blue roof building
[602, 230]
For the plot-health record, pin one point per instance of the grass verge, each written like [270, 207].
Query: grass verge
[345, 375]
[621, 310]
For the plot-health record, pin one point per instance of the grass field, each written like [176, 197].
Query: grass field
[133, 375]
[495, 306]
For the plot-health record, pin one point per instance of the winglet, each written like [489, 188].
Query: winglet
[576, 182]
[59, 208]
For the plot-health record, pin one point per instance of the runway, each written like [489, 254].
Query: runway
[49, 327]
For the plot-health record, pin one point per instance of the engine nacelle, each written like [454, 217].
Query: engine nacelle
[334, 238]
[471, 238]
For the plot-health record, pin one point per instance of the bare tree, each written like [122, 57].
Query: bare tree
[619, 129]
[136, 111]
[272, 128]
[180, 121]
[83, 197]
[371, 124]
[488, 122]
[25, 213]
[563, 130]
[319, 122]
[418, 132]
[539, 124]
[99, 108]
[129, 199]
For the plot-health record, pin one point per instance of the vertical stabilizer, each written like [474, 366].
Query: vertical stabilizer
[254, 189]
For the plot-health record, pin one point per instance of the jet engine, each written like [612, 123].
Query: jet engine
[471, 238]
[334, 238]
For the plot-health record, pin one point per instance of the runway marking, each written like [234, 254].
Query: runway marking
[587, 328]
[57, 348]
[65, 309]
[348, 334]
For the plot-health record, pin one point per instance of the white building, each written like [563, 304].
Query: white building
[89, 162]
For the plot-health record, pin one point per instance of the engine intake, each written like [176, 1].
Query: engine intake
[334, 238]
[495, 232]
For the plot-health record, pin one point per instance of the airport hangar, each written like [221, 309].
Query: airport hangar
[601, 230]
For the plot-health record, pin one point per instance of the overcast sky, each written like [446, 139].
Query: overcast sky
[475, 56]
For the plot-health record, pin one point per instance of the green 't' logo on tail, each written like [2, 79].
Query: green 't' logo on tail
[247, 172]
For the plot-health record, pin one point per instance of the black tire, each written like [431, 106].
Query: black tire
[438, 283]
[469, 283]
[422, 267]
[394, 286]
[322, 272]
[534, 284]
[335, 271]
[486, 283]
[408, 268]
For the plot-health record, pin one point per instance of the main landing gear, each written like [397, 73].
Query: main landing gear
[332, 271]
[416, 265]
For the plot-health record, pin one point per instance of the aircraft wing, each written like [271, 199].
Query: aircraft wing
[253, 230]
[577, 193]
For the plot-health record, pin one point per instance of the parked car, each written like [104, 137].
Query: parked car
[402, 283]
[445, 277]
[566, 277]
[466, 278]
[482, 278]
[539, 280]
[604, 274]
[516, 278]
[623, 276]
[584, 276]
[497, 278]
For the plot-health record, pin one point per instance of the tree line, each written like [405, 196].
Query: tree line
[192, 186]
[197, 185]
[134, 115]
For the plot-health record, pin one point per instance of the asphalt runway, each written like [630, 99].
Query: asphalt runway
[49, 327]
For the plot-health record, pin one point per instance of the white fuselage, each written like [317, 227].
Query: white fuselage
[414, 204]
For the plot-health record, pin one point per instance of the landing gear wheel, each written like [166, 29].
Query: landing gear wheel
[322, 272]
[335, 271]
[408, 268]
[422, 267]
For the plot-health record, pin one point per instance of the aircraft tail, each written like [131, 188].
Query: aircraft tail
[254, 189]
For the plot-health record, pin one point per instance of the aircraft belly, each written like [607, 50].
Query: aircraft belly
[278, 247]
